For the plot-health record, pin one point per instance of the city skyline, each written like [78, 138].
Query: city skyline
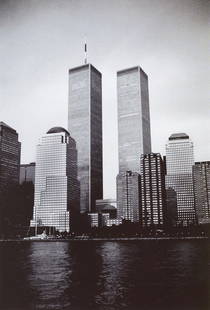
[34, 80]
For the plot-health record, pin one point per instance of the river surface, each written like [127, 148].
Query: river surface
[104, 275]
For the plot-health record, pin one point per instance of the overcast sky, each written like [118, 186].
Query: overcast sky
[41, 39]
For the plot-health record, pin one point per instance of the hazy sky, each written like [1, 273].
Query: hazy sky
[41, 39]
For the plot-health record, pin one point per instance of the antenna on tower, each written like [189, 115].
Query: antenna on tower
[85, 51]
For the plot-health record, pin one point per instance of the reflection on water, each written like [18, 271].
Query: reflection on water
[104, 275]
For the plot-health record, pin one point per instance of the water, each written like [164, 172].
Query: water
[104, 275]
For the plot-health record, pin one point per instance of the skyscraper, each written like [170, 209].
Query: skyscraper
[128, 195]
[10, 149]
[56, 185]
[179, 162]
[153, 194]
[85, 125]
[201, 183]
[134, 136]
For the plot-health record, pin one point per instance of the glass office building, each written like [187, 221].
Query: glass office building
[85, 125]
[128, 196]
[134, 136]
[179, 162]
[56, 185]
[153, 194]
[201, 183]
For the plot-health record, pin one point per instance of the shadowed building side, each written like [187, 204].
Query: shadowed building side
[171, 208]
[201, 184]
[10, 149]
[27, 173]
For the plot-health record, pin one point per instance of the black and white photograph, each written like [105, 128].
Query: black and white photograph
[104, 155]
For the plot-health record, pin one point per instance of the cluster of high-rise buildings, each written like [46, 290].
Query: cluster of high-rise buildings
[68, 174]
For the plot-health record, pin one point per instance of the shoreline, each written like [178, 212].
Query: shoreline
[108, 239]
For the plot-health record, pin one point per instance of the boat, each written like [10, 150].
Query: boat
[42, 236]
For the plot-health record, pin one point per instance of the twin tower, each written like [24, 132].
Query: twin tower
[85, 126]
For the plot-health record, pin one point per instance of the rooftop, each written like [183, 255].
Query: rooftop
[178, 136]
[5, 125]
[58, 130]
[84, 66]
[128, 70]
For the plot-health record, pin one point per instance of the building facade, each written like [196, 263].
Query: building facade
[56, 185]
[85, 125]
[201, 183]
[179, 162]
[10, 149]
[153, 194]
[128, 196]
[134, 136]
[27, 173]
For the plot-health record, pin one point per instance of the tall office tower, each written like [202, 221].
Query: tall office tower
[201, 182]
[128, 195]
[27, 173]
[134, 136]
[56, 185]
[85, 124]
[153, 203]
[179, 162]
[9, 156]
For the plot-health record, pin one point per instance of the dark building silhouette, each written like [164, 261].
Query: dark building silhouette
[128, 196]
[10, 149]
[153, 194]
[171, 207]
[27, 173]
[85, 125]
[201, 184]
